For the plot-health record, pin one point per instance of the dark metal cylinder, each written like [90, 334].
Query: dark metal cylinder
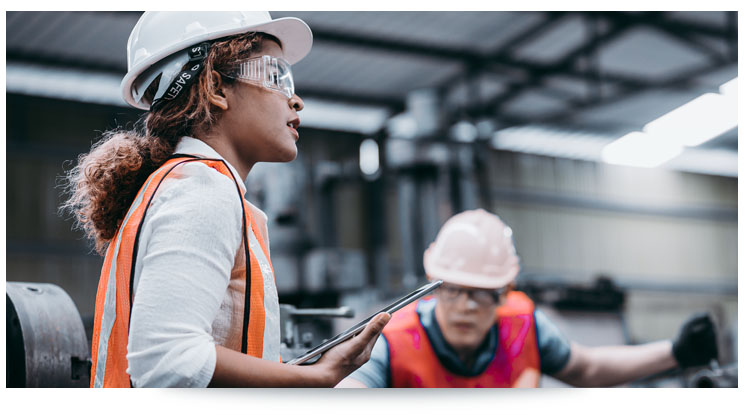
[725, 377]
[46, 345]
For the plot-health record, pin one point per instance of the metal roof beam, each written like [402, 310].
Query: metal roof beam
[350, 39]
[474, 61]
[685, 32]
[566, 65]
[564, 115]
[658, 20]
[529, 33]
[630, 86]
[471, 58]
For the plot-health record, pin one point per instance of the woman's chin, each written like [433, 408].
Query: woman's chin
[286, 155]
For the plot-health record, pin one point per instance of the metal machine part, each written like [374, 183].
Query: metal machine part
[715, 377]
[294, 343]
[602, 295]
[45, 339]
[359, 327]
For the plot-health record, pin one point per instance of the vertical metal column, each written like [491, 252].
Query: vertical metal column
[467, 180]
[407, 226]
[428, 214]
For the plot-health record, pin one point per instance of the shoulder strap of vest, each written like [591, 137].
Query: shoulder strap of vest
[246, 307]
[516, 303]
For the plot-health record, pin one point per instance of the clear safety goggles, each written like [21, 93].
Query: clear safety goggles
[484, 297]
[267, 71]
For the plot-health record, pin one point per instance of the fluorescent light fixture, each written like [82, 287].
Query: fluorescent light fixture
[640, 149]
[61, 83]
[698, 121]
[589, 147]
[706, 160]
[729, 88]
[369, 157]
[691, 124]
[550, 142]
[343, 117]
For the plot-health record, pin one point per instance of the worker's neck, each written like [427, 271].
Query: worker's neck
[218, 140]
[466, 356]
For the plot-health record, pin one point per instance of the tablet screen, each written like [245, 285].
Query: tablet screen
[347, 334]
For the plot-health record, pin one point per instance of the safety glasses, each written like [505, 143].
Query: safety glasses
[451, 293]
[267, 71]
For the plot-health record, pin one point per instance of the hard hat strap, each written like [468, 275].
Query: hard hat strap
[185, 79]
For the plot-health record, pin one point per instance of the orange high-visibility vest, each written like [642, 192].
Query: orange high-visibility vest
[414, 364]
[113, 298]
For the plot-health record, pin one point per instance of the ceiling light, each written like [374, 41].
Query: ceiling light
[331, 115]
[698, 121]
[369, 157]
[640, 149]
[549, 142]
[729, 88]
[577, 145]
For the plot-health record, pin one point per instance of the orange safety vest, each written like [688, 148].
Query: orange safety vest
[414, 364]
[114, 298]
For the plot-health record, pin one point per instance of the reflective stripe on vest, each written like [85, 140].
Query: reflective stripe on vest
[413, 362]
[271, 341]
[111, 324]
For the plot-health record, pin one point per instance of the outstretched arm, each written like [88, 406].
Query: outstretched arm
[614, 365]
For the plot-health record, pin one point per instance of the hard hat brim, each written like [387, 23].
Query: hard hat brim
[467, 279]
[294, 34]
[473, 280]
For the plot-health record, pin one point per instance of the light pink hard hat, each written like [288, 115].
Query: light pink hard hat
[475, 249]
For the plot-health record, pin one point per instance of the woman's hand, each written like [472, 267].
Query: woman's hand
[347, 357]
[235, 369]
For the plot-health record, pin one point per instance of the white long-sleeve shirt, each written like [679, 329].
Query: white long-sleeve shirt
[184, 299]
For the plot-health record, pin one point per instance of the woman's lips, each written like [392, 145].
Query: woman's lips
[293, 125]
[294, 132]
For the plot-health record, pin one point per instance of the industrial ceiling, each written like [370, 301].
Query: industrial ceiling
[598, 73]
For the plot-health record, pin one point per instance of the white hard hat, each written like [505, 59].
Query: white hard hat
[474, 249]
[159, 40]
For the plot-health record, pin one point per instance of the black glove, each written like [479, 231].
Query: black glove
[697, 342]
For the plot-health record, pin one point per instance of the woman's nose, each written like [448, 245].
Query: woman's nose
[296, 103]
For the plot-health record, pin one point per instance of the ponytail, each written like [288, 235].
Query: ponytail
[106, 180]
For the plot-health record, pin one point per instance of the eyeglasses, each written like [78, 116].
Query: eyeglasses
[480, 296]
[267, 71]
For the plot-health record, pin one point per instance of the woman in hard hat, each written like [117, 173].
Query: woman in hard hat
[477, 332]
[187, 295]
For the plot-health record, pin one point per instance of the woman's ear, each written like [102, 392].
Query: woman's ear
[217, 95]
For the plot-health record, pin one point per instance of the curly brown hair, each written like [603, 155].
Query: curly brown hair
[105, 181]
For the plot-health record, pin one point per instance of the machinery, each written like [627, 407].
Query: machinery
[47, 346]
[715, 377]
[295, 341]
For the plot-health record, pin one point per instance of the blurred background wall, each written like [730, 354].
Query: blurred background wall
[412, 117]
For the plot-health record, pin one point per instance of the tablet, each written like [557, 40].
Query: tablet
[346, 335]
